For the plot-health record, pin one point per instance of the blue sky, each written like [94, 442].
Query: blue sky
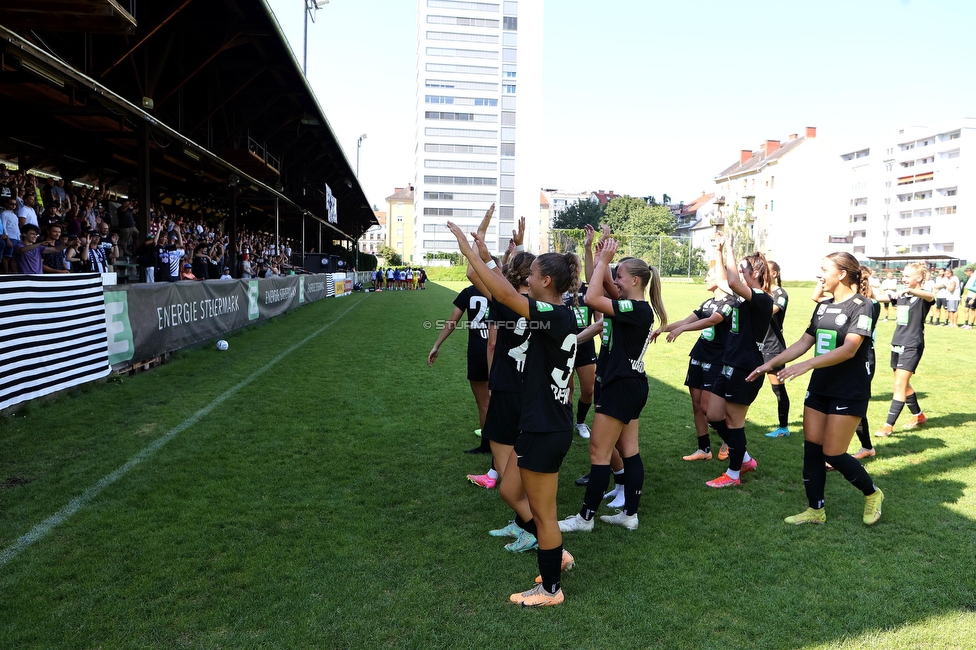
[651, 97]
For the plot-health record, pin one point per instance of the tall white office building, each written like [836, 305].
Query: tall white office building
[479, 98]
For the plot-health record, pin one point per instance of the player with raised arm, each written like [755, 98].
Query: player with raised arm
[505, 332]
[624, 385]
[587, 328]
[546, 421]
[732, 394]
[713, 319]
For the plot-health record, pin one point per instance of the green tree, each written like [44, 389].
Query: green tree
[567, 241]
[390, 256]
[627, 215]
[578, 214]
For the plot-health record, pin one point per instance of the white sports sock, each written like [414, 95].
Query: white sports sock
[492, 473]
[733, 473]
[746, 458]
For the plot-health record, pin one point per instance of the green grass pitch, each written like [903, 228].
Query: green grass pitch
[312, 495]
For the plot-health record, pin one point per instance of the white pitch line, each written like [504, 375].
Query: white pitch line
[41, 530]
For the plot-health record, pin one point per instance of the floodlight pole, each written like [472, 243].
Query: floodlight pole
[359, 145]
[311, 6]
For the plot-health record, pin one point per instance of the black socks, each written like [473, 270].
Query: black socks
[721, 428]
[912, 402]
[864, 434]
[737, 448]
[853, 471]
[783, 403]
[599, 479]
[527, 526]
[582, 408]
[814, 474]
[633, 483]
[894, 411]
[550, 566]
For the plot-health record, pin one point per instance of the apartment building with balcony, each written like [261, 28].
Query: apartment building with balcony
[478, 107]
[787, 199]
[911, 195]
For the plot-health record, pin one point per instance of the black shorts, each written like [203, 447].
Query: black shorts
[623, 399]
[694, 376]
[769, 356]
[732, 386]
[585, 354]
[836, 405]
[543, 452]
[971, 301]
[940, 303]
[907, 358]
[502, 419]
[710, 374]
[478, 367]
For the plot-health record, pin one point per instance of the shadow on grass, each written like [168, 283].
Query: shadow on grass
[722, 556]
[338, 515]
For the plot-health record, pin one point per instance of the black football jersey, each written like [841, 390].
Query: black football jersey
[829, 326]
[548, 365]
[628, 335]
[508, 362]
[750, 322]
[774, 342]
[583, 314]
[910, 322]
[710, 346]
[475, 306]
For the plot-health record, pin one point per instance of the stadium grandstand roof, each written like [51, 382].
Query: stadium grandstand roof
[204, 94]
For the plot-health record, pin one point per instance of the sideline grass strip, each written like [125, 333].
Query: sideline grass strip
[42, 529]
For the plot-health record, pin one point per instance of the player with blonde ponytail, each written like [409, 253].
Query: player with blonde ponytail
[624, 389]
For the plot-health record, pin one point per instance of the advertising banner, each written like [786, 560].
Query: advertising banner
[146, 320]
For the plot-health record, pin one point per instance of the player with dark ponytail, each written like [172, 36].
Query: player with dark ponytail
[773, 344]
[750, 280]
[837, 398]
[546, 420]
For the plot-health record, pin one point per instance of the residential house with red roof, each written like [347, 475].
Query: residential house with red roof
[788, 199]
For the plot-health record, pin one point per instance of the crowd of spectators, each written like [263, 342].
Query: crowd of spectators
[46, 227]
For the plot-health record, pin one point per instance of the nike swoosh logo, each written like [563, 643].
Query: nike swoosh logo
[841, 408]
